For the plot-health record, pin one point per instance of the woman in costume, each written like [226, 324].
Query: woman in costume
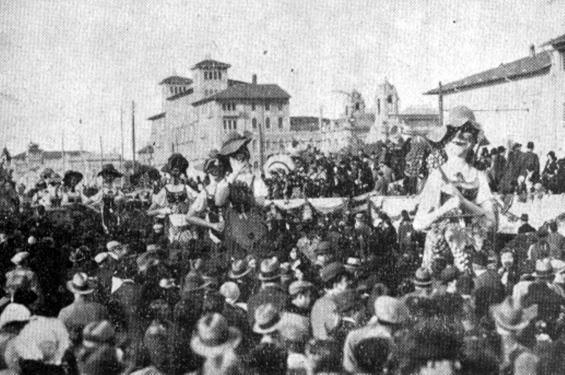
[107, 198]
[174, 199]
[71, 195]
[242, 194]
[204, 212]
[456, 205]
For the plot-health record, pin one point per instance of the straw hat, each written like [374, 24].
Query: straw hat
[422, 278]
[512, 317]
[79, 284]
[270, 269]
[391, 310]
[193, 281]
[267, 319]
[14, 312]
[457, 117]
[214, 336]
[43, 339]
[95, 333]
[230, 291]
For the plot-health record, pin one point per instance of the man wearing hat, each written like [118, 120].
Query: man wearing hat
[241, 274]
[23, 272]
[485, 278]
[216, 341]
[511, 318]
[270, 290]
[525, 227]
[300, 292]
[390, 315]
[543, 293]
[423, 284]
[83, 310]
[530, 163]
[324, 317]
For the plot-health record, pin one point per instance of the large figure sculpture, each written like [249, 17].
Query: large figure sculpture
[456, 205]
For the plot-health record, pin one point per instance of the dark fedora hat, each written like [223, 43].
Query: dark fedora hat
[71, 174]
[233, 142]
[109, 170]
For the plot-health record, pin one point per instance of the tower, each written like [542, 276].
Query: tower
[354, 104]
[210, 77]
[386, 105]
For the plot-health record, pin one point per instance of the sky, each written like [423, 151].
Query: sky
[68, 67]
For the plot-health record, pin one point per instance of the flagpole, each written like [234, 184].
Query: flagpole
[121, 137]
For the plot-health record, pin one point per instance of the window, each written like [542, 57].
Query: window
[268, 123]
[280, 106]
[254, 123]
[254, 145]
[253, 106]
[267, 145]
[378, 106]
[171, 89]
[267, 106]
[281, 145]
[234, 122]
[225, 125]
[205, 75]
[280, 122]
[256, 164]
[219, 75]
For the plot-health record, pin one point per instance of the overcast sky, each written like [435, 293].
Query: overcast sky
[62, 61]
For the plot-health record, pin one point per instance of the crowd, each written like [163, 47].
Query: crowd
[396, 168]
[206, 279]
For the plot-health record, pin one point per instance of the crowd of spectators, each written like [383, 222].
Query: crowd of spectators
[396, 168]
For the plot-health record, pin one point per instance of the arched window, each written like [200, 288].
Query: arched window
[267, 123]
[205, 75]
[219, 75]
[256, 164]
[254, 123]
[280, 122]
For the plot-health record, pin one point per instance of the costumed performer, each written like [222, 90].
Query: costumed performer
[174, 199]
[456, 206]
[204, 212]
[71, 194]
[107, 198]
[242, 194]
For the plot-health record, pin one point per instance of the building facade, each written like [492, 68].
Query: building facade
[197, 114]
[520, 101]
[28, 165]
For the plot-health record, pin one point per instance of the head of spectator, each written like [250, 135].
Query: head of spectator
[511, 318]
[216, 341]
[335, 278]
[80, 286]
[267, 322]
[301, 294]
[544, 271]
[270, 271]
[41, 345]
[230, 291]
[14, 317]
[530, 146]
[423, 281]
[524, 218]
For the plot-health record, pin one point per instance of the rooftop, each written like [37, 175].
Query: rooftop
[156, 117]
[247, 91]
[559, 41]
[176, 80]
[524, 67]
[181, 94]
[210, 64]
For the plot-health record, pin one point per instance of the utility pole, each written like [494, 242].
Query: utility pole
[101, 153]
[133, 135]
[440, 103]
[261, 144]
[121, 137]
[63, 150]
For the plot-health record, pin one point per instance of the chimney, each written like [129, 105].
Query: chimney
[254, 79]
[532, 50]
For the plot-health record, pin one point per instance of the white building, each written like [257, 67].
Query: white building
[520, 101]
